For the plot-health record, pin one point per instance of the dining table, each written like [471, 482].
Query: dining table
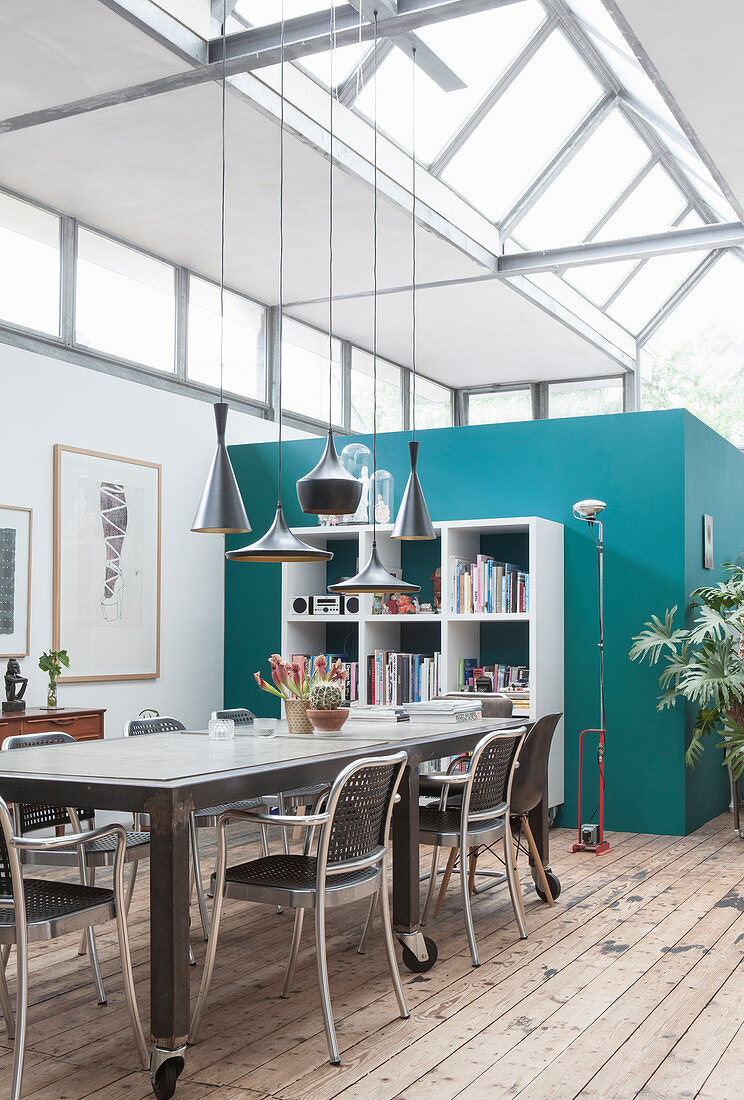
[168, 775]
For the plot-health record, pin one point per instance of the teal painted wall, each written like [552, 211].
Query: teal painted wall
[714, 485]
[636, 462]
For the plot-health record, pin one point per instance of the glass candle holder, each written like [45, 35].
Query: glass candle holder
[264, 727]
[221, 729]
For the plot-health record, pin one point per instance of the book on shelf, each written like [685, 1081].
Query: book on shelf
[398, 678]
[487, 587]
[474, 677]
[351, 668]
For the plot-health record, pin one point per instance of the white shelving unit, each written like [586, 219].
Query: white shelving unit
[460, 635]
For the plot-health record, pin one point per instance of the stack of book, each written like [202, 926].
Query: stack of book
[351, 668]
[399, 678]
[486, 586]
[445, 712]
[491, 677]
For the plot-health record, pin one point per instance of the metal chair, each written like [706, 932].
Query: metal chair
[240, 715]
[206, 818]
[33, 909]
[527, 791]
[482, 818]
[350, 863]
[30, 819]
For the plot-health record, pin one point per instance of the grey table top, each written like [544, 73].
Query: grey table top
[171, 759]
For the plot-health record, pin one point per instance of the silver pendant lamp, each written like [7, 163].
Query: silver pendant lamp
[413, 522]
[374, 577]
[329, 489]
[221, 510]
[279, 544]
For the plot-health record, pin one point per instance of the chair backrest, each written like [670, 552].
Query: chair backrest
[360, 803]
[139, 727]
[10, 868]
[491, 770]
[532, 774]
[240, 716]
[28, 817]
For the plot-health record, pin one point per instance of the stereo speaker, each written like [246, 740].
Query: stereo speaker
[351, 605]
[302, 605]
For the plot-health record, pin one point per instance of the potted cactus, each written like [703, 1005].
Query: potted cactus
[294, 685]
[324, 709]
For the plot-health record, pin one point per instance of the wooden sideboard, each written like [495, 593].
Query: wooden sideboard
[84, 725]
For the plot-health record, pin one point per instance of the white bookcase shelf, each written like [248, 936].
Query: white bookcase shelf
[459, 635]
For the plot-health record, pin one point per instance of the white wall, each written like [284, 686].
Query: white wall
[44, 401]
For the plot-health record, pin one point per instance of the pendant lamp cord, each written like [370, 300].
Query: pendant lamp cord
[413, 246]
[374, 314]
[281, 252]
[332, 37]
[222, 199]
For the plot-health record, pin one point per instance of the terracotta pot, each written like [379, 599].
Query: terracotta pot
[297, 719]
[328, 721]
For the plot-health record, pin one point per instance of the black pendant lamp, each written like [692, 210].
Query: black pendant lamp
[329, 489]
[374, 577]
[413, 522]
[221, 510]
[279, 543]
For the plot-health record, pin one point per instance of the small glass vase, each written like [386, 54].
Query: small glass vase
[52, 694]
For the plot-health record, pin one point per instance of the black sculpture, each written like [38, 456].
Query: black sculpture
[15, 688]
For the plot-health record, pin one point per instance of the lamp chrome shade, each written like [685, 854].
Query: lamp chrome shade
[373, 578]
[413, 521]
[279, 544]
[329, 489]
[221, 510]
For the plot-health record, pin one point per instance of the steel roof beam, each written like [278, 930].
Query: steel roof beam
[308, 34]
[163, 28]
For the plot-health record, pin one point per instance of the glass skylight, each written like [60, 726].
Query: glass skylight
[262, 13]
[649, 289]
[477, 48]
[598, 173]
[526, 126]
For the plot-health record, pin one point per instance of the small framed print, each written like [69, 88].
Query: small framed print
[15, 581]
[106, 565]
[707, 542]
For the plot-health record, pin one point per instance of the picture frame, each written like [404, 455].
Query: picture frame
[106, 565]
[708, 560]
[16, 531]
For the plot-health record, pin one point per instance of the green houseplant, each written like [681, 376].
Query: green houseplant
[704, 664]
[52, 663]
[293, 683]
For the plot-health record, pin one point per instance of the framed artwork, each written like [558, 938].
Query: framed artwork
[106, 565]
[707, 542]
[15, 581]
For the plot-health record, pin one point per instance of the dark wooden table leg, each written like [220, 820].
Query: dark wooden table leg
[406, 893]
[419, 951]
[169, 938]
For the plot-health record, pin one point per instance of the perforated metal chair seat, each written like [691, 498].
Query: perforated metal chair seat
[207, 818]
[442, 827]
[53, 908]
[99, 853]
[290, 880]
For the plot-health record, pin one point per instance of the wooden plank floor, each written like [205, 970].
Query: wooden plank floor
[632, 985]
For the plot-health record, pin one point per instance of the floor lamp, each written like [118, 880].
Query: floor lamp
[591, 834]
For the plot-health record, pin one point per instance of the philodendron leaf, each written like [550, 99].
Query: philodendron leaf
[710, 623]
[656, 638]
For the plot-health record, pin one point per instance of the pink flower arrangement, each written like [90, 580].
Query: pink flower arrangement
[290, 680]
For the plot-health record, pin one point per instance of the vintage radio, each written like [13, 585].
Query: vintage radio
[327, 605]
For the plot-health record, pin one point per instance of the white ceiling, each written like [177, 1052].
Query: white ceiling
[697, 50]
[148, 172]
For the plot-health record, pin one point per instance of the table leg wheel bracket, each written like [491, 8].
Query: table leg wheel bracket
[166, 1067]
[419, 951]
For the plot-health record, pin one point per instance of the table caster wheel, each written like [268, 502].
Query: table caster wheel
[164, 1082]
[416, 965]
[554, 884]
